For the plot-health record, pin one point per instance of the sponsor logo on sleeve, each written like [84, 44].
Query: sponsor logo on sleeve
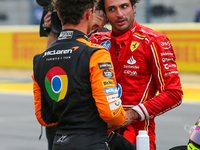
[112, 97]
[105, 65]
[110, 90]
[167, 59]
[172, 72]
[119, 88]
[115, 105]
[107, 83]
[134, 46]
[107, 74]
[115, 112]
[164, 54]
[166, 45]
[167, 66]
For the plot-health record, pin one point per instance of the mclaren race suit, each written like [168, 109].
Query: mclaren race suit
[146, 72]
[75, 87]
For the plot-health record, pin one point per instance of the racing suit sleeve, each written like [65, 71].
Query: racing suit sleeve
[161, 58]
[38, 106]
[104, 89]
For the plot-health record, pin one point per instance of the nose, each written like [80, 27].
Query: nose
[119, 13]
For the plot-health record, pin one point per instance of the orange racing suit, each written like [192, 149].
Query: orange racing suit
[75, 88]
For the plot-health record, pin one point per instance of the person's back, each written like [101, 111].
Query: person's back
[74, 85]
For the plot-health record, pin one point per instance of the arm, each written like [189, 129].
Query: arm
[161, 58]
[51, 36]
[39, 107]
[104, 89]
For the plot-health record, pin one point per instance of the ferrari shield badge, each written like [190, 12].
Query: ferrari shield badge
[134, 46]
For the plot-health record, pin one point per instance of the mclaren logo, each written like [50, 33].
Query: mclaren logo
[134, 46]
[59, 52]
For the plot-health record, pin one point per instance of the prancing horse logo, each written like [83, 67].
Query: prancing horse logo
[134, 46]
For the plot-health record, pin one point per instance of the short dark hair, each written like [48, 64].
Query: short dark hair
[71, 11]
[100, 4]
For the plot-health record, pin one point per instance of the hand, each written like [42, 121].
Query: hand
[99, 20]
[47, 19]
[131, 115]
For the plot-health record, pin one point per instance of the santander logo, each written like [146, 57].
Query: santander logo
[131, 61]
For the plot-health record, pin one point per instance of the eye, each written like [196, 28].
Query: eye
[124, 6]
[111, 9]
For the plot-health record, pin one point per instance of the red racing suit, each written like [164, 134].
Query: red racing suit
[146, 72]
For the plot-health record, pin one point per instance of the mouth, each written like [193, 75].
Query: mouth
[120, 22]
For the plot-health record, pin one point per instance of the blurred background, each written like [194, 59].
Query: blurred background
[27, 12]
[20, 41]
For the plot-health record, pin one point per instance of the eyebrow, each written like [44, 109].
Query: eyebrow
[120, 5]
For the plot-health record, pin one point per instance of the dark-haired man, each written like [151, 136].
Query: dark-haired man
[74, 83]
[144, 63]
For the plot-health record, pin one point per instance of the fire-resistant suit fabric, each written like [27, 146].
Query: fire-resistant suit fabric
[146, 72]
[75, 87]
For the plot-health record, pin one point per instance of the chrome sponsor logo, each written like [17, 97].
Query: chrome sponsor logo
[56, 83]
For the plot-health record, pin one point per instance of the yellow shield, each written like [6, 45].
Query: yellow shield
[134, 46]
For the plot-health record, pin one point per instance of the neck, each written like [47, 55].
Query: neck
[118, 33]
[81, 27]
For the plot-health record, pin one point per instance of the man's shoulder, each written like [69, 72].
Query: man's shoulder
[148, 32]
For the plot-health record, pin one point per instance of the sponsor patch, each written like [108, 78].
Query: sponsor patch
[57, 52]
[56, 83]
[105, 65]
[110, 90]
[167, 59]
[134, 46]
[65, 35]
[131, 61]
[164, 54]
[115, 112]
[131, 73]
[112, 97]
[115, 105]
[167, 66]
[119, 88]
[107, 74]
[107, 83]
[166, 45]
[133, 67]
[106, 44]
[172, 72]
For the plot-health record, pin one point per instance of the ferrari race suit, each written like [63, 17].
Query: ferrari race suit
[146, 73]
[75, 88]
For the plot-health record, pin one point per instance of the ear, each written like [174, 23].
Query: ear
[134, 9]
[88, 13]
[58, 15]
